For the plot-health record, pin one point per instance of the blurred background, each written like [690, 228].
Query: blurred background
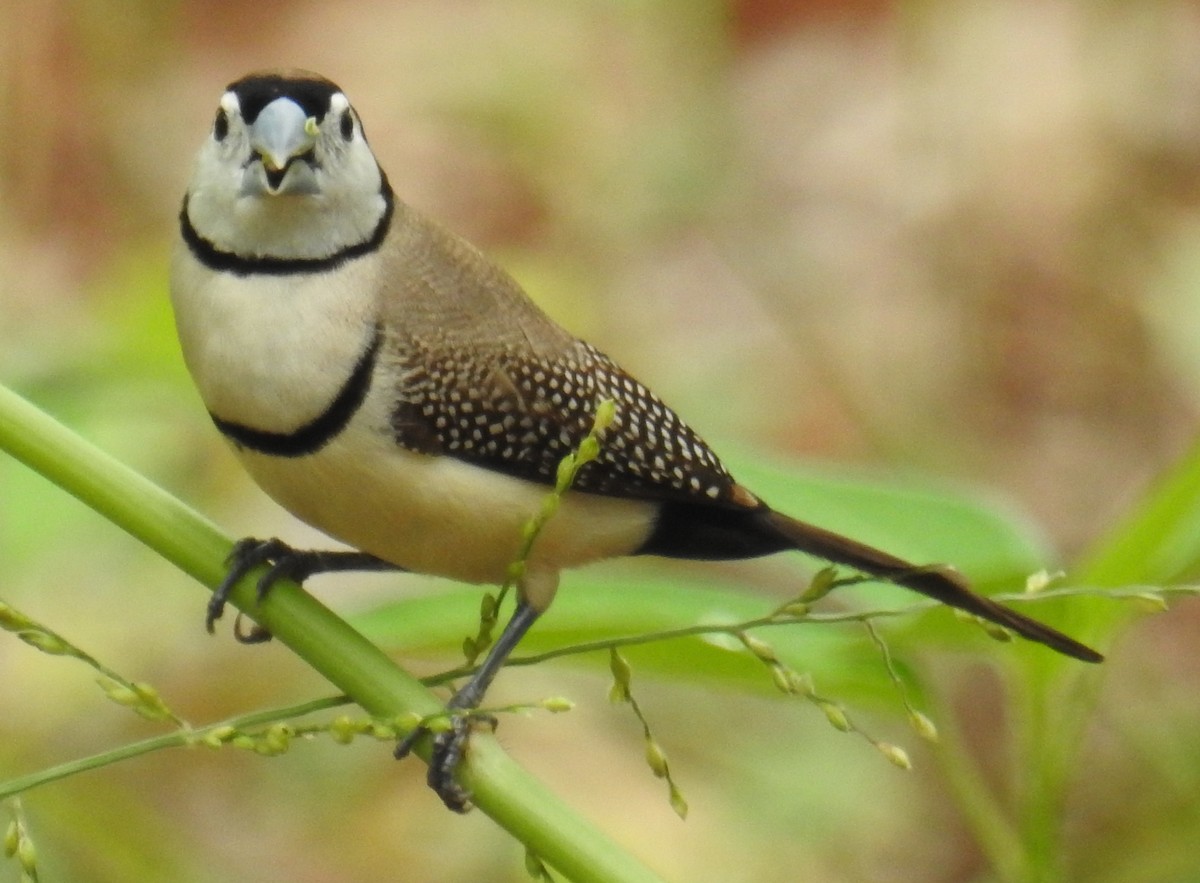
[952, 239]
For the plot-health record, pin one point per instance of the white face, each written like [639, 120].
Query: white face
[288, 183]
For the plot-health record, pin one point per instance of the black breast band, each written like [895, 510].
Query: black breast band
[318, 432]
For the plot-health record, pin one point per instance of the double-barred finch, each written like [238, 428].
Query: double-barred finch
[388, 384]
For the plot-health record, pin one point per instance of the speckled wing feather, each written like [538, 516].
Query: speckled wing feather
[517, 414]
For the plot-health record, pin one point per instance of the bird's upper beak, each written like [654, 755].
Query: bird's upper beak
[281, 133]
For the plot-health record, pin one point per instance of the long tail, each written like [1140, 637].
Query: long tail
[942, 584]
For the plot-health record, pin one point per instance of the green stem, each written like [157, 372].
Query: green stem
[993, 827]
[175, 739]
[502, 790]
[1042, 769]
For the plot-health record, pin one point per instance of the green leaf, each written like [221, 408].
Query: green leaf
[1159, 542]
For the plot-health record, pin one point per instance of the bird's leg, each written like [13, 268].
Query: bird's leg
[448, 746]
[286, 563]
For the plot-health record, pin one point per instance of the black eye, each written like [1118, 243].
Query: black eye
[221, 125]
[347, 124]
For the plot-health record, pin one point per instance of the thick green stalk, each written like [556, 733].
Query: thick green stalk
[503, 790]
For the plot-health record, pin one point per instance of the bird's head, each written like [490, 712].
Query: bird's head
[285, 171]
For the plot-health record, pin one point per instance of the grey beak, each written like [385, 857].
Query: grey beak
[281, 132]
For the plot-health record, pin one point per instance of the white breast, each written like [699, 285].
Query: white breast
[271, 352]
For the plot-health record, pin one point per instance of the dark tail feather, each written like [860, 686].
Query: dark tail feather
[940, 583]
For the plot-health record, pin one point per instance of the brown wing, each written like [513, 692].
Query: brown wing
[486, 377]
[520, 415]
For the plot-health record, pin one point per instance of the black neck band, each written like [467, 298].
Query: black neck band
[240, 265]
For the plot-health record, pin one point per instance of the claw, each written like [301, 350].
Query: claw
[405, 746]
[449, 747]
[255, 634]
[247, 554]
[448, 750]
[285, 563]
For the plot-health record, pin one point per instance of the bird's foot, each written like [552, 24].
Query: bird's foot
[247, 553]
[285, 563]
[446, 754]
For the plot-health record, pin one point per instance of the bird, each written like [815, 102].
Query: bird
[390, 385]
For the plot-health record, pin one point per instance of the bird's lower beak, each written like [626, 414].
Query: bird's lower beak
[281, 133]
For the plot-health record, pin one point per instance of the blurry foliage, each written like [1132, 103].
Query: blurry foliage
[951, 237]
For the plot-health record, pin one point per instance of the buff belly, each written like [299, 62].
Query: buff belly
[442, 516]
